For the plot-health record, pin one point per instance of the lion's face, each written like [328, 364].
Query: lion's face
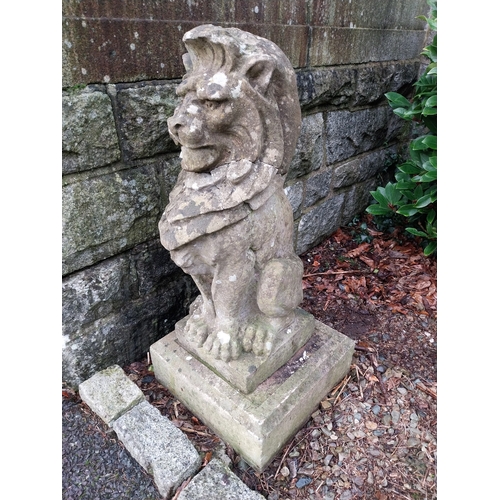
[216, 123]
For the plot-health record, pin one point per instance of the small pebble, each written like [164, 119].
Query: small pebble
[381, 368]
[376, 409]
[303, 481]
[395, 415]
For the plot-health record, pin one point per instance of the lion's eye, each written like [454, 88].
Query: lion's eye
[211, 105]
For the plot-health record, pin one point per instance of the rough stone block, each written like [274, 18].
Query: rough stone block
[357, 198]
[351, 133]
[89, 137]
[326, 87]
[373, 81]
[110, 393]
[142, 119]
[317, 187]
[319, 222]
[125, 334]
[294, 194]
[161, 448]
[309, 151]
[110, 286]
[105, 215]
[362, 168]
[218, 479]
[259, 424]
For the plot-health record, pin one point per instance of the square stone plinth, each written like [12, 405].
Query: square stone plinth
[257, 425]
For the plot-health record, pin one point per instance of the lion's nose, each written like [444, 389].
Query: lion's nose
[174, 124]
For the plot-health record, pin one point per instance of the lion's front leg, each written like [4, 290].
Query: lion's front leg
[233, 293]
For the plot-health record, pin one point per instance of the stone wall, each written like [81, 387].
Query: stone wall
[121, 65]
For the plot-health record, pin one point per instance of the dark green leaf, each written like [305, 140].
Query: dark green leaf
[430, 248]
[407, 210]
[409, 168]
[378, 210]
[379, 196]
[398, 100]
[430, 141]
[416, 232]
[423, 201]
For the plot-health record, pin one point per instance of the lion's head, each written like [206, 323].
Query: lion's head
[239, 101]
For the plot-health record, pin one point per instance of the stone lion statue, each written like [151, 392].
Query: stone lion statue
[228, 222]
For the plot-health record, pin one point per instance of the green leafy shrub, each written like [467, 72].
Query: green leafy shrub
[414, 192]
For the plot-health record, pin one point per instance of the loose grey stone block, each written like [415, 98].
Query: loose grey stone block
[110, 393]
[219, 482]
[89, 137]
[160, 447]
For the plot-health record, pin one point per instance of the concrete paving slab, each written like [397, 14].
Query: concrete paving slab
[217, 481]
[162, 449]
[110, 393]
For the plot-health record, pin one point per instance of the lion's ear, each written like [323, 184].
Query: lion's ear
[258, 73]
[187, 61]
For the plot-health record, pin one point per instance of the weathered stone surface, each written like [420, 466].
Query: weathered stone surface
[105, 215]
[362, 168]
[390, 14]
[317, 187]
[121, 49]
[357, 198]
[89, 138]
[326, 86]
[169, 171]
[229, 223]
[125, 333]
[294, 194]
[331, 45]
[106, 288]
[118, 41]
[259, 424]
[161, 448]
[218, 479]
[373, 81]
[113, 50]
[142, 119]
[319, 222]
[110, 393]
[349, 134]
[309, 153]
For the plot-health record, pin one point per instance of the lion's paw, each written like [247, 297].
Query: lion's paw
[223, 346]
[196, 329]
[258, 339]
